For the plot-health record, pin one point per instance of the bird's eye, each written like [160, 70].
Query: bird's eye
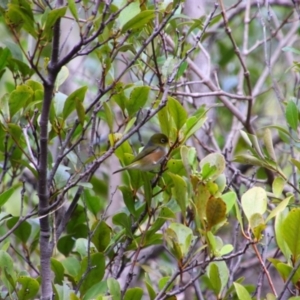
[163, 140]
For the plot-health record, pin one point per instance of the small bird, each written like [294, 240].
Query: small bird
[152, 154]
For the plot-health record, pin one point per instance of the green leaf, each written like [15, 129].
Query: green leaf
[19, 15]
[138, 98]
[80, 111]
[230, 199]
[114, 288]
[278, 185]
[165, 215]
[254, 201]
[23, 231]
[194, 123]
[101, 235]
[249, 159]
[291, 49]
[226, 249]
[8, 275]
[215, 212]
[177, 112]
[296, 163]
[97, 291]
[8, 193]
[218, 274]
[62, 76]
[70, 103]
[73, 9]
[139, 20]
[128, 198]
[184, 235]
[291, 232]
[214, 276]
[19, 98]
[62, 292]
[30, 288]
[92, 202]
[71, 266]
[164, 120]
[62, 176]
[269, 143]
[50, 18]
[180, 191]
[58, 270]
[97, 263]
[4, 54]
[241, 292]
[109, 116]
[257, 225]
[65, 244]
[134, 294]
[124, 221]
[215, 162]
[279, 208]
[291, 114]
[149, 286]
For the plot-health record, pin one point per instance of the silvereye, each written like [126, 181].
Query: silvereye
[152, 154]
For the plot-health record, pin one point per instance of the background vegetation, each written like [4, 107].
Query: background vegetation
[84, 84]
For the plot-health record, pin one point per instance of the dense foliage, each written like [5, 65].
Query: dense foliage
[84, 84]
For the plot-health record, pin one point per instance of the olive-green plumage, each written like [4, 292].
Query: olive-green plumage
[152, 154]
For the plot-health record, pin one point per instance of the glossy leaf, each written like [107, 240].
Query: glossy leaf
[194, 123]
[134, 294]
[51, 17]
[164, 120]
[109, 116]
[4, 196]
[71, 266]
[23, 231]
[8, 275]
[279, 234]
[139, 20]
[114, 288]
[279, 208]
[254, 201]
[184, 236]
[19, 15]
[19, 97]
[216, 162]
[278, 185]
[214, 277]
[291, 232]
[73, 9]
[128, 198]
[58, 270]
[257, 225]
[269, 143]
[149, 286]
[177, 112]
[101, 235]
[70, 103]
[95, 275]
[291, 114]
[138, 98]
[30, 288]
[241, 292]
[123, 220]
[218, 274]
[180, 191]
[230, 199]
